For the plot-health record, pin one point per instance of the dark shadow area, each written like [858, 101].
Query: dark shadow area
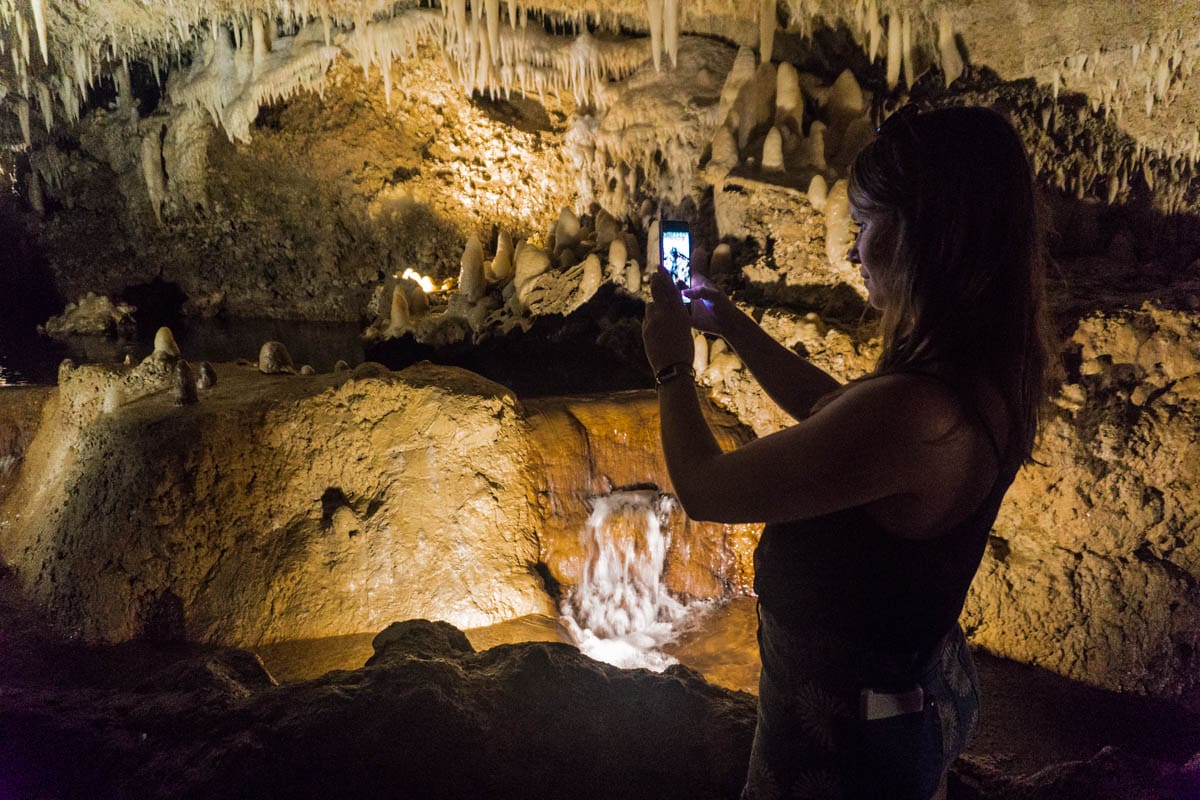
[158, 303]
[597, 348]
[1032, 717]
[521, 112]
[28, 297]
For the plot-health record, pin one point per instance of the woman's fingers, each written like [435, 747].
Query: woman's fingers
[662, 289]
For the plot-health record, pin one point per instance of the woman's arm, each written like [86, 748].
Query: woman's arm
[787, 378]
[888, 437]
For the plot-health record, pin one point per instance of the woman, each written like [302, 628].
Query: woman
[879, 500]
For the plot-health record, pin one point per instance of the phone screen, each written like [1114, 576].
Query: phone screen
[676, 257]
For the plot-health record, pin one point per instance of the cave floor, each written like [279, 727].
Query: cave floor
[1031, 718]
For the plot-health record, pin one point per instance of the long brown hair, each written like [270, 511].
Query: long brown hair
[964, 292]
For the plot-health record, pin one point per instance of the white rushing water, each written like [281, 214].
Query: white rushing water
[621, 612]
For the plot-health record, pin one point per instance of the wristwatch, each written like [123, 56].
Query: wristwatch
[673, 371]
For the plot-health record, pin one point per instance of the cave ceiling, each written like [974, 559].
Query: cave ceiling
[1135, 59]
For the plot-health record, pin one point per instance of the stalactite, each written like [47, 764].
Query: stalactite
[874, 29]
[152, 172]
[45, 105]
[493, 28]
[766, 29]
[260, 47]
[39, 21]
[895, 44]
[671, 30]
[23, 120]
[655, 11]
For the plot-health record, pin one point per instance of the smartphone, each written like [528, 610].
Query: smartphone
[676, 244]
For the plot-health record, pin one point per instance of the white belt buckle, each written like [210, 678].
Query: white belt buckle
[881, 705]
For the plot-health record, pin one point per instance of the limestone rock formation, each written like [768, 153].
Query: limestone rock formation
[412, 501]
[1098, 540]
[92, 315]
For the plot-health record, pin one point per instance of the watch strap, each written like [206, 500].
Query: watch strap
[673, 371]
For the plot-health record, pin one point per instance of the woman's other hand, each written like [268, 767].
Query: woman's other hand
[711, 309]
[666, 328]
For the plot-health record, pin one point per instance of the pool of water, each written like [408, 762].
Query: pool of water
[34, 358]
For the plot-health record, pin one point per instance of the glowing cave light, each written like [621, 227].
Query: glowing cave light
[621, 612]
[425, 281]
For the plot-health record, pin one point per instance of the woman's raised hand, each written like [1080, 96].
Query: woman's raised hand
[666, 331]
[711, 309]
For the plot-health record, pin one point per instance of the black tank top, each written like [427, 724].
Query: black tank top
[846, 574]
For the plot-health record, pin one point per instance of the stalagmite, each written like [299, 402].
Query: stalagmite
[766, 30]
[724, 149]
[184, 389]
[721, 262]
[471, 281]
[812, 149]
[789, 102]
[418, 301]
[952, 63]
[530, 262]
[895, 44]
[744, 65]
[566, 231]
[699, 352]
[593, 276]
[607, 228]
[502, 264]
[633, 277]
[817, 192]
[206, 376]
[399, 320]
[858, 134]
[772, 155]
[653, 253]
[837, 224]
[617, 256]
[273, 359]
[164, 344]
[755, 104]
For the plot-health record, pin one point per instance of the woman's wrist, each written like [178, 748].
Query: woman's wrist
[674, 371]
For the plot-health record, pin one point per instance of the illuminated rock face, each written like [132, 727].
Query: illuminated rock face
[279, 507]
[1094, 559]
[589, 447]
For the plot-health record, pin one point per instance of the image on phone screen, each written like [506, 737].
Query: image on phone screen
[677, 254]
